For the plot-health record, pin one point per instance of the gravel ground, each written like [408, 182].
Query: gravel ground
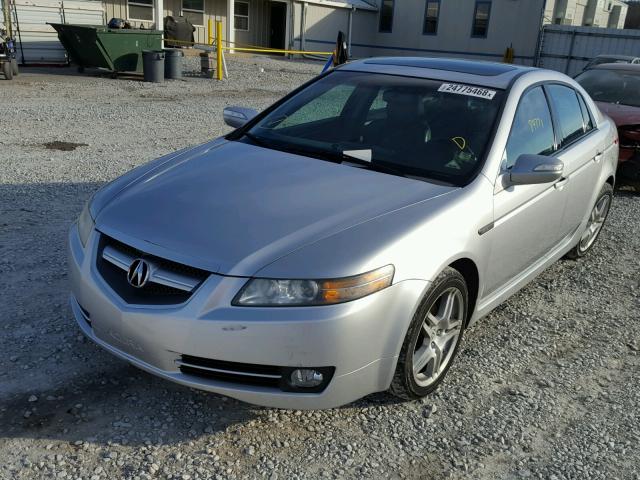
[545, 387]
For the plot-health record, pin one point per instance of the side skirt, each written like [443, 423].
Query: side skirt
[488, 303]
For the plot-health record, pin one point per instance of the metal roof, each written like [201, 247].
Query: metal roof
[358, 4]
[490, 74]
[630, 67]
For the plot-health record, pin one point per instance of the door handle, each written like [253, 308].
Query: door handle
[598, 157]
[559, 185]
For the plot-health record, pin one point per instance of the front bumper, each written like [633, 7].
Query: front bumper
[361, 339]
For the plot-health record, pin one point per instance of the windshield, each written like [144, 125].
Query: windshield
[408, 126]
[612, 86]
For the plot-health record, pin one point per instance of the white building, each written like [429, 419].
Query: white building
[586, 13]
[481, 29]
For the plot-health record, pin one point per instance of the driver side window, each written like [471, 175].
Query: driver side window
[532, 130]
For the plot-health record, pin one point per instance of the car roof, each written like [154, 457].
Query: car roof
[616, 57]
[489, 74]
[630, 67]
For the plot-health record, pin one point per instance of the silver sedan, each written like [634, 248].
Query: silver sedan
[340, 242]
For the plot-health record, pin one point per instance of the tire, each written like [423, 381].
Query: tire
[7, 70]
[596, 221]
[14, 67]
[418, 344]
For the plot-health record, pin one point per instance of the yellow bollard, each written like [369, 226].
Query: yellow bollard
[210, 32]
[219, 50]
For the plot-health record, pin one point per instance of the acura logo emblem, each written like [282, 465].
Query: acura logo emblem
[138, 273]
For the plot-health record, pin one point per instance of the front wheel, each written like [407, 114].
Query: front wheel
[595, 223]
[14, 67]
[433, 338]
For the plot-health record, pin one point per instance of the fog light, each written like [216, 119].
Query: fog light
[306, 378]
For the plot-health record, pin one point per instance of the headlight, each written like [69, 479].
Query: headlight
[266, 292]
[85, 224]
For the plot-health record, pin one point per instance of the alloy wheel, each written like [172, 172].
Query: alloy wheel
[595, 223]
[439, 335]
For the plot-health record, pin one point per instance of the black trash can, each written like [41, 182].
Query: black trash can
[173, 63]
[153, 65]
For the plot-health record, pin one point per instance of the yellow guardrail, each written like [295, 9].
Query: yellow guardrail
[216, 43]
[256, 48]
[238, 47]
[275, 50]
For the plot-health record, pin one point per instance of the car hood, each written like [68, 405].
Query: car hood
[235, 208]
[621, 114]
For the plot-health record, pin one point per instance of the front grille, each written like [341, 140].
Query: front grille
[269, 376]
[169, 282]
[162, 262]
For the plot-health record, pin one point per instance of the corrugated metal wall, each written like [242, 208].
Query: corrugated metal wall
[259, 18]
[568, 49]
[37, 41]
[324, 23]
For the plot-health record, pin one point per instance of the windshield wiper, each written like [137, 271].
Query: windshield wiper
[288, 148]
[360, 158]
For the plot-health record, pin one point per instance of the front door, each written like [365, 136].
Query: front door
[278, 25]
[527, 218]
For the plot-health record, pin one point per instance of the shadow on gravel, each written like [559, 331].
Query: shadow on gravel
[119, 404]
[116, 403]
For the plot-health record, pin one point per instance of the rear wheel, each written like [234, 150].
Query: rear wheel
[595, 223]
[433, 338]
[7, 70]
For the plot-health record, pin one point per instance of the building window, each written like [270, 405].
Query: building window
[193, 10]
[241, 16]
[481, 19]
[140, 10]
[431, 14]
[386, 16]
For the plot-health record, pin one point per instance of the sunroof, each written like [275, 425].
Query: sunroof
[460, 66]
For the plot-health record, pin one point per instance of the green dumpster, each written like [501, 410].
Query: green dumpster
[118, 50]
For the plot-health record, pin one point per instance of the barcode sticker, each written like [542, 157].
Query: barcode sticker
[467, 90]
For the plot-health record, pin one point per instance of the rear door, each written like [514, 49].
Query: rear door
[581, 147]
[527, 218]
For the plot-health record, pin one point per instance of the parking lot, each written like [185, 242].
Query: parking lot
[544, 387]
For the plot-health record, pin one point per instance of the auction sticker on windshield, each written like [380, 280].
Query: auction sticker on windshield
[467, 90]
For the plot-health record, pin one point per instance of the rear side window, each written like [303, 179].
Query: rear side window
[569, 113]
[588, 123]
[532, 130]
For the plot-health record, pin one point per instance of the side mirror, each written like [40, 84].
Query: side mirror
[236, 117]
[532, 169]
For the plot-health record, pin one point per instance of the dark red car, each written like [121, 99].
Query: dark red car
[615, 87]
